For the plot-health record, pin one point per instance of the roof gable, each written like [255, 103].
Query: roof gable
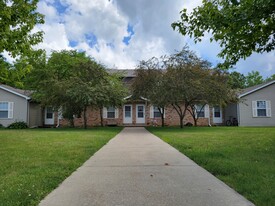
[19, 92]
[255, 88]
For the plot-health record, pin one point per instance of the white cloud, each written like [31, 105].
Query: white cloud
[107, 21]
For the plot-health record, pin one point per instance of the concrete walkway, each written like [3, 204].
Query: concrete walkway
[137, 168]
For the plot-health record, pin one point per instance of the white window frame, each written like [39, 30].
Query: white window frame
[267, 108]
[153, 109]
[200, 110]
[106, 112]
[10, 110]
[205, 110]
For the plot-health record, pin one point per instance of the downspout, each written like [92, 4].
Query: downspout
[209, 116]
[58, 118]
[28, 113]
[57, 121]
[209, 122]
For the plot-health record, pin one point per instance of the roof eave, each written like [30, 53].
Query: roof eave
[256, 89]
[16, 93]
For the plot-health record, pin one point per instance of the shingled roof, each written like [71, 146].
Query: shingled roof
[255, 88]
[22, 93]
[123, 72]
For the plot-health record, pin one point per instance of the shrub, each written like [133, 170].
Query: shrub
[18, 125]
[1, 126]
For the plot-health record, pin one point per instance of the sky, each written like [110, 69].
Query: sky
[120, 33]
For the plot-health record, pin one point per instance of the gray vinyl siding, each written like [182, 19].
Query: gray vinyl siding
[230, 112]
[20, 107]
[245, 107]
[36, 116]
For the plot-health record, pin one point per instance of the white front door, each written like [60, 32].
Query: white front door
[49, 116]
[127, 114]
[140, 114]
[217, 114]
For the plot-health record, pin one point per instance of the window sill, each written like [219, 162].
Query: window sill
[262, 117]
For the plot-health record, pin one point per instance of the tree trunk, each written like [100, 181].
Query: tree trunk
[101, 117]
[180, 113]
[181, 122]
[72, 122]
[162, 119]
[85, 117]
[195, 122]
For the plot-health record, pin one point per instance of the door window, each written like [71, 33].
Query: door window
[140, 112]
[49, 114]
[217, 111]
[127, 111]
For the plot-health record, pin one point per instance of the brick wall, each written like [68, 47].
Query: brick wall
[171, 117]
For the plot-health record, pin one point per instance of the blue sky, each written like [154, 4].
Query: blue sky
[120, 33]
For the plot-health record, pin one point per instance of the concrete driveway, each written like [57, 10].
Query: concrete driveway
[138, 168]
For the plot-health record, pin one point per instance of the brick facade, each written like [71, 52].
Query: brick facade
[171, 117]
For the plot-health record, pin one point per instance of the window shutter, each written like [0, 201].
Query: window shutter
[152, 112]
[10, 111]
[104, 112]
[206, 111]
[268, 108]
[254, 108]
[116, 113]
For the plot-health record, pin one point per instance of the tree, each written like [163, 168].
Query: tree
[17, 19]
[238, 26]
[112, 93]
[4, 71]
[189, 81]
[149, 84]
[73, 81]
[236, 80]
[253, 78]
[272, 77]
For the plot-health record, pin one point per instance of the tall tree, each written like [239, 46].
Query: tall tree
[236, 80]
[272, 77]
[112, 93]
[237, 26]
[74, 81]
[190, 81]
[4, 71]
[17, 20]
[149, 83]
[253, 78]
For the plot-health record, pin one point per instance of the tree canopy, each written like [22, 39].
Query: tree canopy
[73, 81]
[240, 27]
[17, 19]
[181, 80]
[240, 81]
[149, 83]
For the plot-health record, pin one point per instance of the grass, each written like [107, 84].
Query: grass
[34, 162]
[244, 158]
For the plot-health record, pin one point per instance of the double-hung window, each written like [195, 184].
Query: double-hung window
[200, 110]
[156, 112]
[111, 112]
[261, 108]
[6, 110]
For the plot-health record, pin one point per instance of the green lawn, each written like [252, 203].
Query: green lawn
[34, 162]
[244, 158]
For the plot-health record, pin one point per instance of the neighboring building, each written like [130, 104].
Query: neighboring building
[256, 106]
[16, 105]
